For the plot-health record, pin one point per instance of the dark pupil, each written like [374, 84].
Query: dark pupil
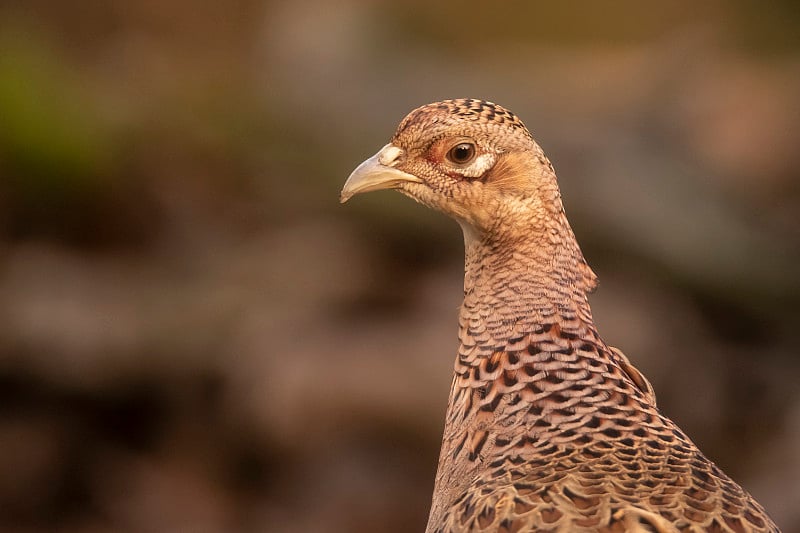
[462, 152]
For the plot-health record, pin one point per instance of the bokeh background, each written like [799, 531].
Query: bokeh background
[196, 336]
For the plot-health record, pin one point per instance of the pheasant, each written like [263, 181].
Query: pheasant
[548, 428]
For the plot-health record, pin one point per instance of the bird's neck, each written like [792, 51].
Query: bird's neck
[526, 336]
[516, 282]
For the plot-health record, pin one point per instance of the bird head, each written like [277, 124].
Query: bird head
[471, 159]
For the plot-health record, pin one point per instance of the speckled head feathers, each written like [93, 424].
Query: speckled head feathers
[463, 116]
[461, 109]
[472, 159]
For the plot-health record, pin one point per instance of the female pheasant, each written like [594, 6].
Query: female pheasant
[548, 428]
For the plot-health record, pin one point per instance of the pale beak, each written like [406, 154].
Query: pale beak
[378, 173]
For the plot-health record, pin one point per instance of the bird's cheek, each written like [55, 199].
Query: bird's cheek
[472, 205]
[423, 194]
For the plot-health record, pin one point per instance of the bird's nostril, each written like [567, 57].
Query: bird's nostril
[391, 155]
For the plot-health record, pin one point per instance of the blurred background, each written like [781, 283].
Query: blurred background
[196, 336]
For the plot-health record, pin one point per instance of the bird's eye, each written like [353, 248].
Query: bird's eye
[461, 153]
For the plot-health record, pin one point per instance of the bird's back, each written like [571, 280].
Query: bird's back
[576, 444]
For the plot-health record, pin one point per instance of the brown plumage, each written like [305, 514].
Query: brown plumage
[548, 428]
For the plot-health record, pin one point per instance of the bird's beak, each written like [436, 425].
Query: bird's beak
[377, 173]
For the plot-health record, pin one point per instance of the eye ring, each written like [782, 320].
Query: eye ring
[462, 153]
